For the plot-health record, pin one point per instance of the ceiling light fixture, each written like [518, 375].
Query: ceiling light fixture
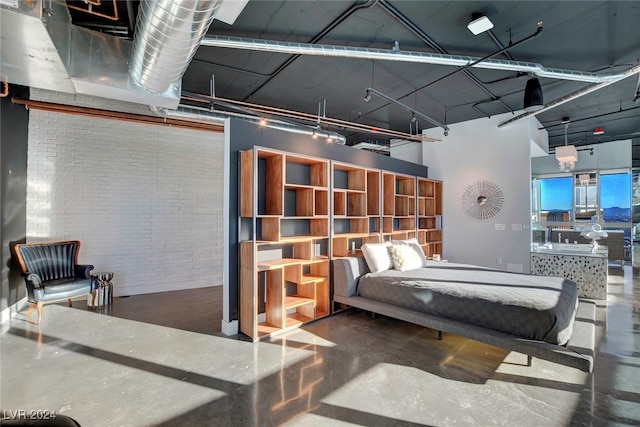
[533, 99]
[598, 131]
[566, 155]
[480, 24]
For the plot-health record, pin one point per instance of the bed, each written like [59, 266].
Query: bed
[535, 315]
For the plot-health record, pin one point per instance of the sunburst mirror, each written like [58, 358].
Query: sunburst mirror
[482, 200]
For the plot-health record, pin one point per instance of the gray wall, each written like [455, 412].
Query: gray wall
[245, 135]
[14, 121]
[479, 150]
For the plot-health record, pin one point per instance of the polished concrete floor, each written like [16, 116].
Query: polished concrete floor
[159, 360]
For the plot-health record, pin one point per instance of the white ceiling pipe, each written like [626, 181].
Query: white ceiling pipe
[574, 95]
[404, 56]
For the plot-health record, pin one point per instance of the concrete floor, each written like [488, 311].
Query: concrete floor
[114, 368]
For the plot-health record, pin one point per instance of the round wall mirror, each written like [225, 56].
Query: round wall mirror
[482, 200]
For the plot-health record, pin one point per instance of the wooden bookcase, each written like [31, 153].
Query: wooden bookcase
[399, 206]
[356, 208]
[429, 226]
[284, 258]
[298, 212]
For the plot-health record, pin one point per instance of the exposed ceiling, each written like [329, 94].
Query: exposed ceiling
[591, 36]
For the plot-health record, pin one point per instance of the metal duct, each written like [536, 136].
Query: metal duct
[167, 36]
[405, 56]
[574, 95]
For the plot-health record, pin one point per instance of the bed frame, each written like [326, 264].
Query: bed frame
[578, 353]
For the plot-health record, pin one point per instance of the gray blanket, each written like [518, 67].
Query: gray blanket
[533, 307]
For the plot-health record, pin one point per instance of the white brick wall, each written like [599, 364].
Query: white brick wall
[144, 200]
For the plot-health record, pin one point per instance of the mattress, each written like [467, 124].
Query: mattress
[533, 307]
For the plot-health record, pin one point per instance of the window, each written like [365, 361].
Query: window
[615, 197]
[586, 197]
[556, 199]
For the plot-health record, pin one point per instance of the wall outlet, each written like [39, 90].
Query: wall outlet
[516, 227]
[499, 227]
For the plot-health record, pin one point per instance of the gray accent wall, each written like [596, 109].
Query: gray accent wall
[14, 125]
[245, 135]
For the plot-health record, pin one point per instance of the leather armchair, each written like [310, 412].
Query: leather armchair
[52, 273]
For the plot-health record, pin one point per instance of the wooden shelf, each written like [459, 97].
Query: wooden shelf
[307, 211]
[285, 267]
[296, 301]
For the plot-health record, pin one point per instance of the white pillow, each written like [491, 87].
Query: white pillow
[377, 256]
[412, 245]
[405, 257]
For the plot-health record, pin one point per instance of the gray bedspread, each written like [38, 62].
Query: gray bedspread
[534, 307]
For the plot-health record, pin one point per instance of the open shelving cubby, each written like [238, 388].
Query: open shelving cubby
[356, 208]
[284, 248]
[429, 226]
[399, 206]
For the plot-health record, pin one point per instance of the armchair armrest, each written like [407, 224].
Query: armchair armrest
[83, 270]
[34, 279]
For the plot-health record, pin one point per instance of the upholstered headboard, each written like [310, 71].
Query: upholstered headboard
[346, 272]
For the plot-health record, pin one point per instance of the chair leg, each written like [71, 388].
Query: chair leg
[69, 302]
[39, 306]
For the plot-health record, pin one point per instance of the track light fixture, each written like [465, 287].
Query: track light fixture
[533, 100]
[415, 112]
[367, 95]
[413, 118]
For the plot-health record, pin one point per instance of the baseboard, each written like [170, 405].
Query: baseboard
[229, 328]
[10, 311]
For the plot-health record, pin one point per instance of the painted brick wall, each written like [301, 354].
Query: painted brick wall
[144, 200]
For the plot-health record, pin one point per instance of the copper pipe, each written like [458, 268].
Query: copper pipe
[311, 117]
[114, 115]
[90, 10]
[5, 89]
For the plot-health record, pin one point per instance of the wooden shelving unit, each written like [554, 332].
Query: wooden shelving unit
[356, 208]
[284, 260]
[299, 212]
[399, 206]
[429, 226]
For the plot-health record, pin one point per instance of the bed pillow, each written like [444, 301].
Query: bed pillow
[377, 256]
[407, 255]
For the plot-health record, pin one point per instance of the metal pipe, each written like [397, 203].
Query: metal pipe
[305, 117]
[411, 26]
[491, 55]
[404, 56]
[189, 113]
[314, 40]
[406, 107]
[90, 11]
[116, 115]
[167, 36]
[574, 95]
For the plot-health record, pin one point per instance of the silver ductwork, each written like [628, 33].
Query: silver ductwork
[404, 56]
[167, 36]
[41, 48]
